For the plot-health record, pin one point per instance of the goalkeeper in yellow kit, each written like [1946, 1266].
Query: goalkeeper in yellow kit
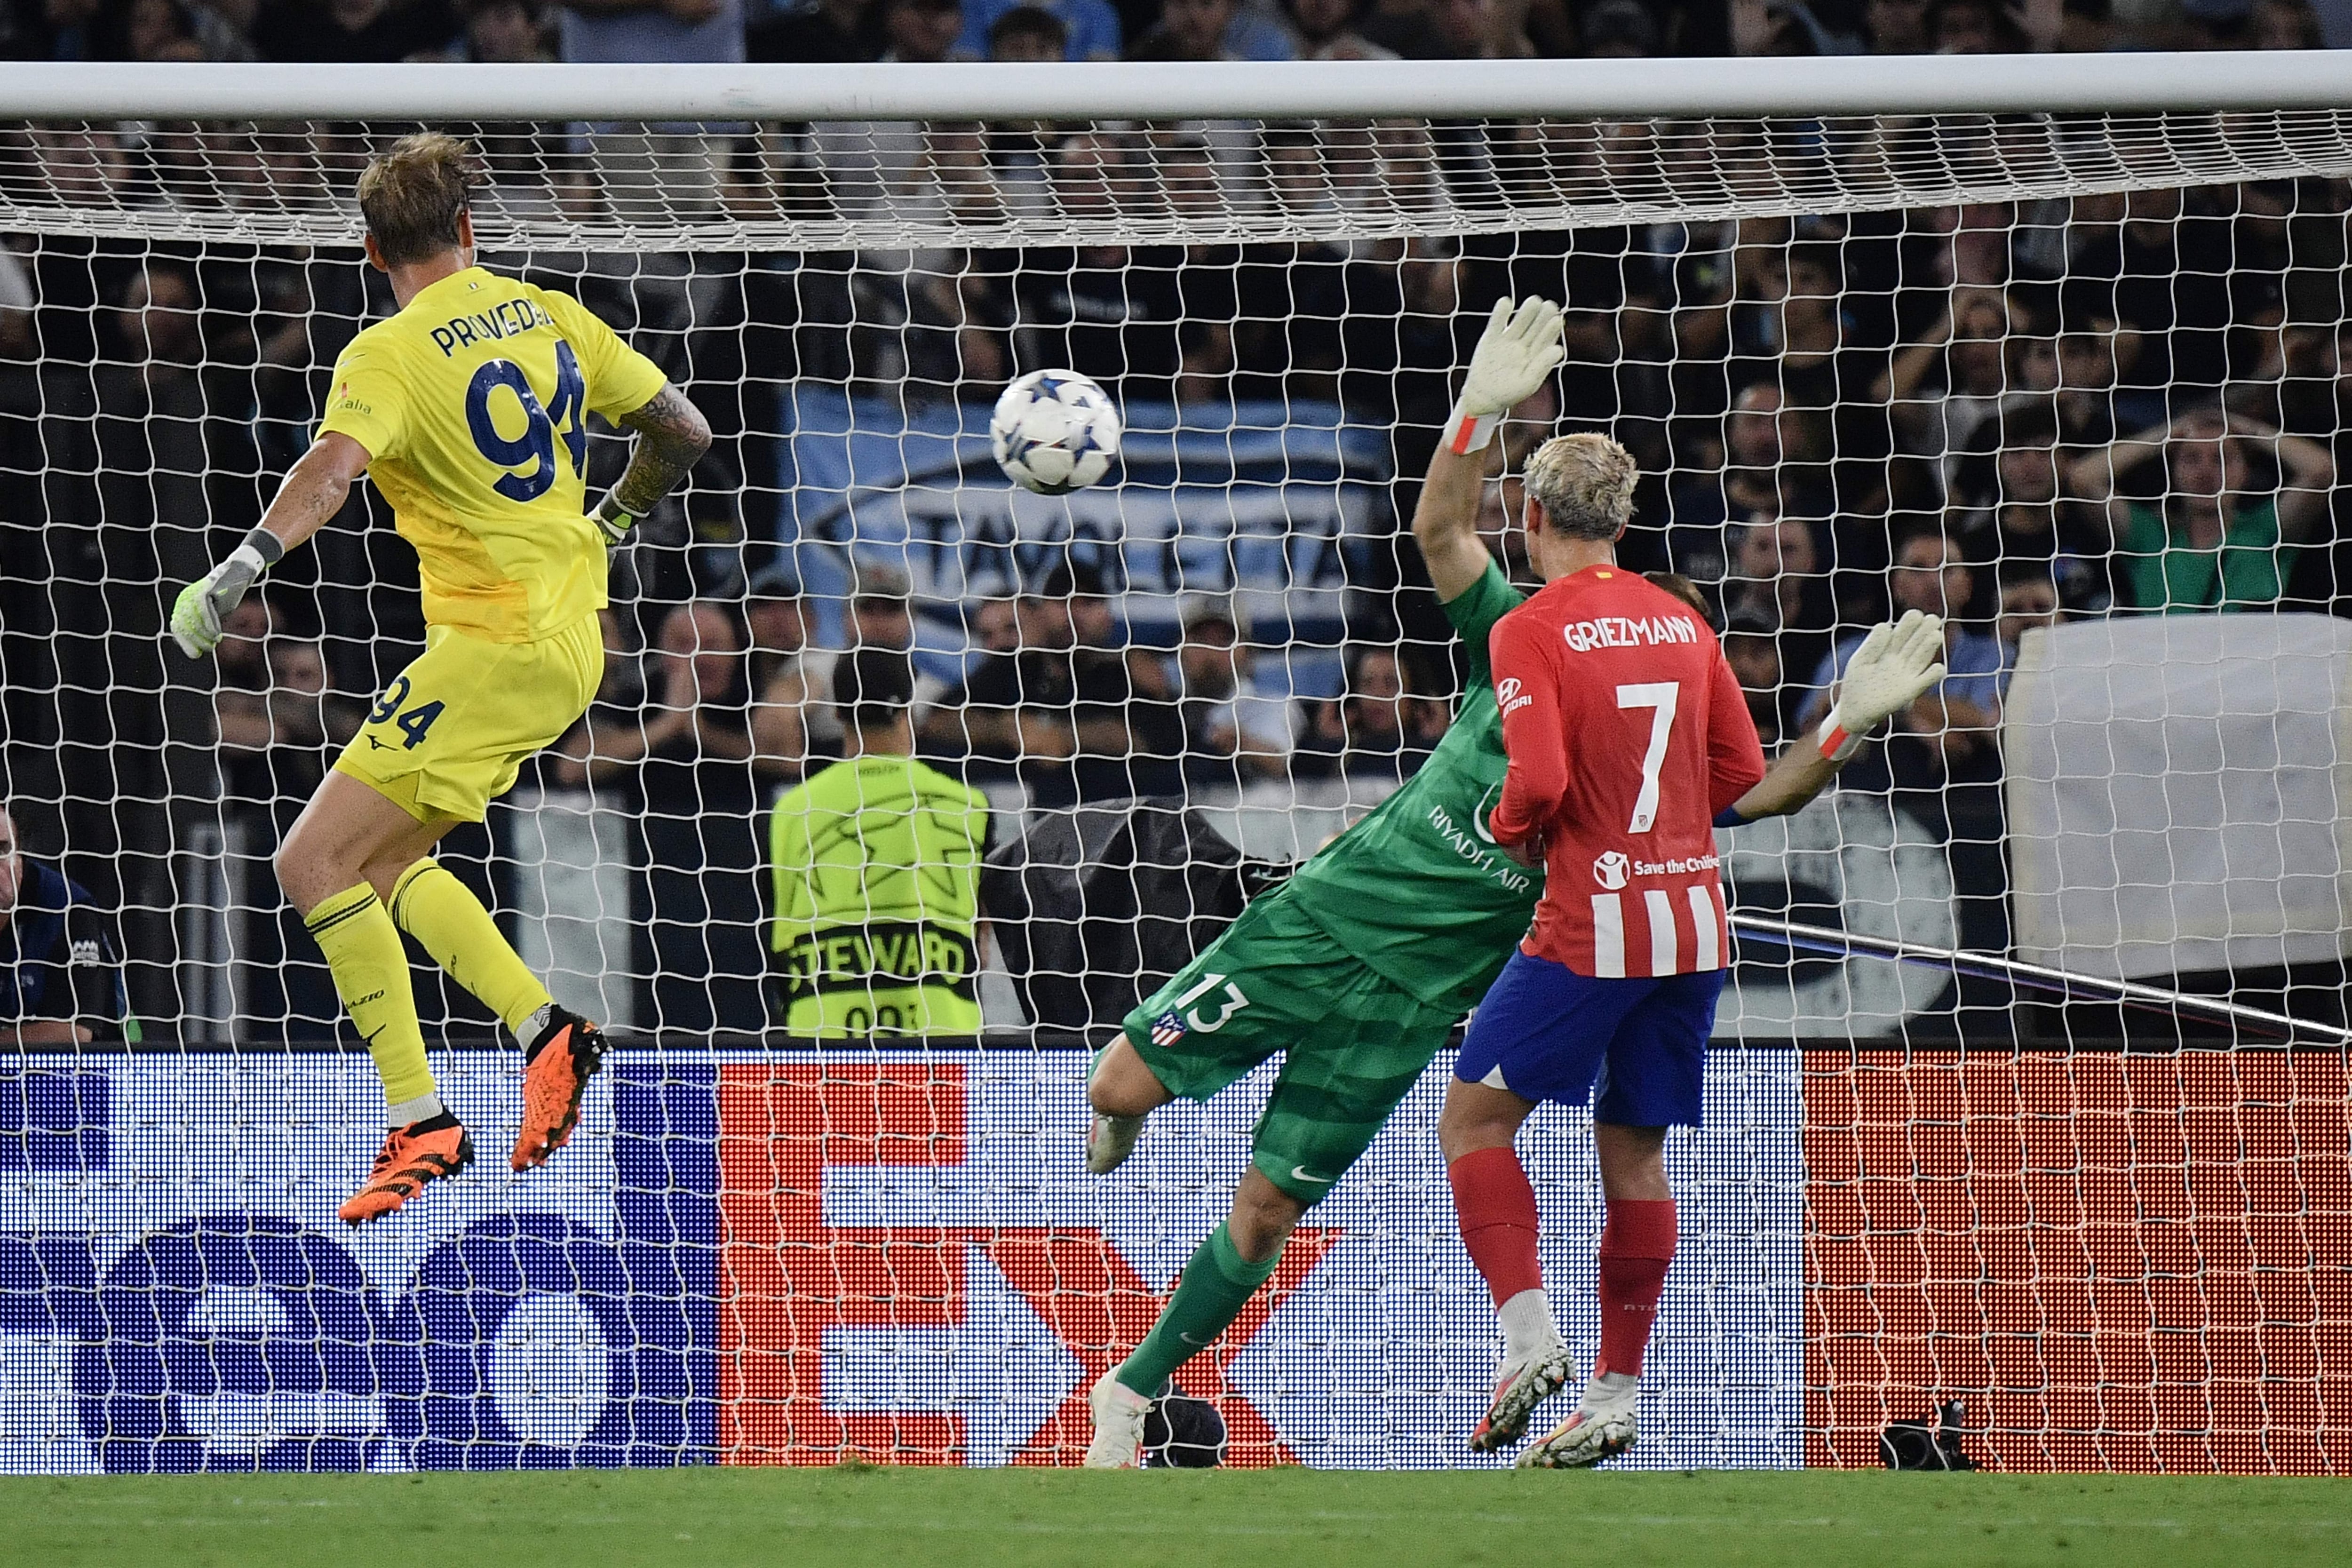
[469, 406]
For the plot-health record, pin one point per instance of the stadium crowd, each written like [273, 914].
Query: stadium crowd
[2015, 413]
[841, 30]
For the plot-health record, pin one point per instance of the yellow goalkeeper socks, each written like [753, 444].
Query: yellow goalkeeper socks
[370, 969]
[450, 924]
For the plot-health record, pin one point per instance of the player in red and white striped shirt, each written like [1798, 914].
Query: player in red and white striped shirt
[1629, 744]
[1627, 668]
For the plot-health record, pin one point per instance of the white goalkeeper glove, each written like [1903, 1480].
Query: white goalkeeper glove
[613, 522]
[203, 605]
[1894, 664]
[1519, 349]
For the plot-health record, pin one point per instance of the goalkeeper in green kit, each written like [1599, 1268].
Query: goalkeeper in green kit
[1357, 969]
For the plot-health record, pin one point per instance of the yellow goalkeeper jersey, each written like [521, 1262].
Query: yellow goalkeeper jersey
[472, 402]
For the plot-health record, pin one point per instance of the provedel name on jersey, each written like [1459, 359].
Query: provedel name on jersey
[504, 320]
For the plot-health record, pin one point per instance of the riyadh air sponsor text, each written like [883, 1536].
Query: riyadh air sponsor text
[1508, 875]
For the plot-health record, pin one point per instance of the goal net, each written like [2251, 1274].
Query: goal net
[2030, 1086]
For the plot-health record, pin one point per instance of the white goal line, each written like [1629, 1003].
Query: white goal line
[2253, 82]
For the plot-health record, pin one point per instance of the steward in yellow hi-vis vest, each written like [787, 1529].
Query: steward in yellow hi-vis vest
[877, 872]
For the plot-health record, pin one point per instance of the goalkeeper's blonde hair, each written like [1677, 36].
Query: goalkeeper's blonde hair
[1584, 483]
[412, 197]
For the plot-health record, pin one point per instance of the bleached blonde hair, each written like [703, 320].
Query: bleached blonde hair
[411, 195]
[1584, 483]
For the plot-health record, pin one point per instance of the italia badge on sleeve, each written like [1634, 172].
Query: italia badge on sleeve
[1167, 1029]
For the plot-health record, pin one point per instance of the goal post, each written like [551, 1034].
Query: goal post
[1233, 90]
[1590, 143]
[2031, 1089]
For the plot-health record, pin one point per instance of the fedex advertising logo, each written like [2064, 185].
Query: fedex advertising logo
[795, 1257]
[915, 1265]
[904, 1278]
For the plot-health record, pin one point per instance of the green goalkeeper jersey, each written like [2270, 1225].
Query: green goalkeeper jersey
[1416, 889]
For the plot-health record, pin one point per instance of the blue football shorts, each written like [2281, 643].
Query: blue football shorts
[1636, 1049]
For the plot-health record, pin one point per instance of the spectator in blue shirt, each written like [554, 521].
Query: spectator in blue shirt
[673, 168]
[1215, 31]
[1959, 720]
[1257, 32]
[60, 973]
[631, 32]
[1029, 34]
[1090, 28]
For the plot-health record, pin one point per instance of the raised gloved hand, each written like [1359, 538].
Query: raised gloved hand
[1894, 664]
[1519, 348]
[203, 605]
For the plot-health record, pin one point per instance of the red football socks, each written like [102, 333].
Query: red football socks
[1495, 1207]
[1637, 1243]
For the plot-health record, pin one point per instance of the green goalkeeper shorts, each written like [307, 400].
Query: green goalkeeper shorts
[1352, 1043]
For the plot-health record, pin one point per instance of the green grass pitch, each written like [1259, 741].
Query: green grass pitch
[1287, 1519]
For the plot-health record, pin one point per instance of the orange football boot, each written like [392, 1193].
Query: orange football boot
[421, 1151]
[555, 1076]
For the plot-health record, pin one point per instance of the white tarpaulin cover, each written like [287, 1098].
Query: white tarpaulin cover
[2175, 790]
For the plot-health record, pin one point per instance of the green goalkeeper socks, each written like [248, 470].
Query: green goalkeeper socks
[1216, 1284]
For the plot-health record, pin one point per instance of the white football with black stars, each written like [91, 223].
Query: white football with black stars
[1054, 431]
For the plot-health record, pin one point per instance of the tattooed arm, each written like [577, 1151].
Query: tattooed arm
[671, 434]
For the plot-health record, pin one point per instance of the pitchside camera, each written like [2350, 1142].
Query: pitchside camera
[1931, 1443]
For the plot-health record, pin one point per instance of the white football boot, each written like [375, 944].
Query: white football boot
[1518, 1392]
[1118, 1412]
[1109, 1141]
[1603, 1427]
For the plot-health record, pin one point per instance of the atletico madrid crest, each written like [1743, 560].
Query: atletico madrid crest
[1167, 1029]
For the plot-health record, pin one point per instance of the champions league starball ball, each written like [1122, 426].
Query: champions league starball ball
[1054, 431]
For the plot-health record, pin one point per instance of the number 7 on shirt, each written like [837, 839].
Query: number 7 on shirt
[1660, 696]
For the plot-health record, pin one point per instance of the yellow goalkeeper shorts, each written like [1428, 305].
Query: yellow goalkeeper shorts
[451, 732]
